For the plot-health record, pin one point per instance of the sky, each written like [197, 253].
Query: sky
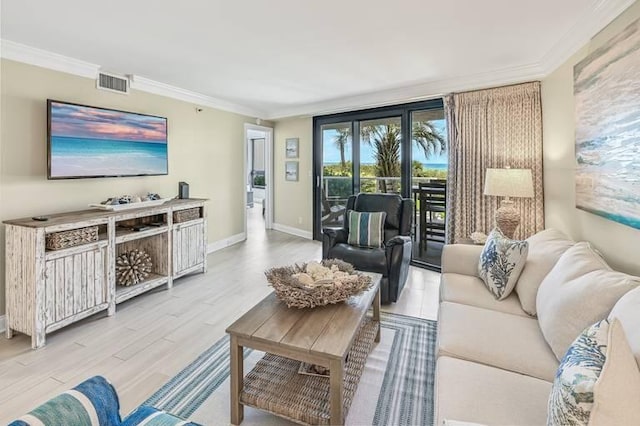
[87, 122]
[331, 153]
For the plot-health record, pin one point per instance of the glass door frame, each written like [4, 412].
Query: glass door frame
[355, 117]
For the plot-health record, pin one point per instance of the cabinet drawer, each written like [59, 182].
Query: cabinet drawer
[188, 247]
[74, 284]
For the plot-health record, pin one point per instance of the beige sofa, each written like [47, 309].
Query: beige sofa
[494, 365]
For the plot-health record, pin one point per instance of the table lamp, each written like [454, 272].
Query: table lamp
[508, 183]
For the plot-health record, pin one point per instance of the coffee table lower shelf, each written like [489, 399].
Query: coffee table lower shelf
[274, 385]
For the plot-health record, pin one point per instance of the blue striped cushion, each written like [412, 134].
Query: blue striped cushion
[366, 229]
[149, 416]
[93, 402]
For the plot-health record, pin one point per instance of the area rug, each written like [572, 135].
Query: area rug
[396, 387]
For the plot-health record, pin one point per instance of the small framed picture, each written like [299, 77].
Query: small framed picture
[292, 145]
[291, 171]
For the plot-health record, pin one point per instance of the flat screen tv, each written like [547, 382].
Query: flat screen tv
[91, 142]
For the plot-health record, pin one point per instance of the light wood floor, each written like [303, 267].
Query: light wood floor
[152, 337]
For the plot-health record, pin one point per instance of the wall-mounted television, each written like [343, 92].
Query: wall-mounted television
[90, 142]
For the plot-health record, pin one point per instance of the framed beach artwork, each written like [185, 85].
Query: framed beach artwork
[291, 171]
[292, 145]
[606, 89]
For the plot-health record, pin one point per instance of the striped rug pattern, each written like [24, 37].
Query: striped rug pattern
[406, 396]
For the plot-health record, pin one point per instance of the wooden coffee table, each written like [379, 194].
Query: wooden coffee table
[322, 336]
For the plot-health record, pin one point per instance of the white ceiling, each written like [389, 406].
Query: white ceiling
[292, 57]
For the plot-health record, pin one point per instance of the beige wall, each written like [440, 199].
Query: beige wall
[293, 200]
[619, 244]
[205, 149]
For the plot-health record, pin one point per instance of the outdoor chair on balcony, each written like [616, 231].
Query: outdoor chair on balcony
[433, 206]
[389, 185]
[392, 259]
[332, 211]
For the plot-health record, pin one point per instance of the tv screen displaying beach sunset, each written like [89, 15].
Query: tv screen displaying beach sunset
[92, 142]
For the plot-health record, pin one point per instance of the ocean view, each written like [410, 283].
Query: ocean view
[435, 166]
[74, 156]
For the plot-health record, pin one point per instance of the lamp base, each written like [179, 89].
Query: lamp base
[507, 218]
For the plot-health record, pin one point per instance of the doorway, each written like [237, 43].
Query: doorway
[398, 149]
[258, 179]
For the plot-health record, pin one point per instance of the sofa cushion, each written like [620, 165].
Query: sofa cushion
[366, 228]
[461, 259]
[501, 262]
[93, 402]
[579, 291]
[470, 290]
[471, 392]
[598, 381]
[627, 311]
[505, 341]
[545, 249]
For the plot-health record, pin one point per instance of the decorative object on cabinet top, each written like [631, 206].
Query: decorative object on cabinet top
[126, 202]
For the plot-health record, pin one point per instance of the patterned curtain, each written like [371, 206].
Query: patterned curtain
[492, 128]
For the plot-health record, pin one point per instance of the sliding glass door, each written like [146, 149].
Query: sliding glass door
[336, 178]
[429, 183]
[397, 149]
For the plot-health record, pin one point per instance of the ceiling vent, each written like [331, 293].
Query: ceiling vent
[113, 83]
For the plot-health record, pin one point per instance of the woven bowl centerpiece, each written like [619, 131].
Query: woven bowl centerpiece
[317, 284]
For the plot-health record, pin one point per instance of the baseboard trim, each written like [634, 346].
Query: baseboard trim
[226, 242]
[293, 231]
[3, 323]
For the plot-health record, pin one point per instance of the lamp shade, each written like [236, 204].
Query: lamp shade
[509, 183]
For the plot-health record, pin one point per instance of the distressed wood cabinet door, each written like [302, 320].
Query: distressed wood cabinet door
[74, 284]
[188, 247]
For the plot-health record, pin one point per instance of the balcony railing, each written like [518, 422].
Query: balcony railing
[339, 187]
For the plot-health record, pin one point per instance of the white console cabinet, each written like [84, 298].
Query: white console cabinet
[50, 289]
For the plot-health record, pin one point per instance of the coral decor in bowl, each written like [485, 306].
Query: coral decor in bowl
[317, 283]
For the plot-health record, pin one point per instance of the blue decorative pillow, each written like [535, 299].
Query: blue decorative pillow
[366, 229]
[571, 399]
[93, 402]
[501, 263]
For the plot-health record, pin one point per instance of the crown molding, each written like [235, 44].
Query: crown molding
[162, 89]
[54, 61]
[45, 59]
[587, 25]
[415, 92]
[602, 13]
